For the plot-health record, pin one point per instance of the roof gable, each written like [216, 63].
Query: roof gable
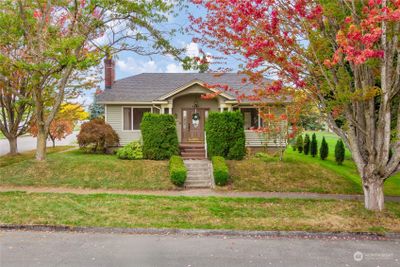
[148, 87]
[190, 84]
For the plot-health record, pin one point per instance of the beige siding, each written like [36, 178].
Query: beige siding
[114, 118]
[254, 139]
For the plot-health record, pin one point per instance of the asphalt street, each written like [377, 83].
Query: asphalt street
[91, 249]
[27, 143]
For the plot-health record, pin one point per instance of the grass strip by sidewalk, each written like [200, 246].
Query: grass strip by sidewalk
[108, 210]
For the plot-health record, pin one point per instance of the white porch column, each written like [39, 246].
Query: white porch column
[170, 107]
[222, 106]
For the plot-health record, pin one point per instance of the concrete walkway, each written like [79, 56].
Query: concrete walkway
[190, 193]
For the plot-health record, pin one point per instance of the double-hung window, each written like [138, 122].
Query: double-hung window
[132, 117]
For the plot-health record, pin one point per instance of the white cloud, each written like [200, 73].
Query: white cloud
[86, 98]
[132, 66]
[192, 50]
[174, 68]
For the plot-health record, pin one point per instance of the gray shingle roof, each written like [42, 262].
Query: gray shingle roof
[148, 87]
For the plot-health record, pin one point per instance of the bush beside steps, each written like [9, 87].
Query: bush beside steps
[177, 170]
[220, 170]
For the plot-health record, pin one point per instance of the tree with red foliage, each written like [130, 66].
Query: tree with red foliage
[59, 129]
[64, 122]
[345, 55]
[96, 135]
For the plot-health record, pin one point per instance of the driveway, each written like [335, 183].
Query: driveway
[84, 249]
[27, 143]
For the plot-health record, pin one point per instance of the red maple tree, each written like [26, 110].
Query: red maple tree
[344, 55]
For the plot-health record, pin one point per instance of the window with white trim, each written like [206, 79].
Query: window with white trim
[132, 117]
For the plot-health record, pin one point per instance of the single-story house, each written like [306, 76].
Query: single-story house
[180, 94]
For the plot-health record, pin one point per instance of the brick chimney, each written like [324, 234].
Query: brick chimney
[109, 72]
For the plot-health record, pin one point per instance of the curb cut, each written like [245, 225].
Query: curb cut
[206, 232]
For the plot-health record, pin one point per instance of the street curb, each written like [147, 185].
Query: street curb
[205, 232]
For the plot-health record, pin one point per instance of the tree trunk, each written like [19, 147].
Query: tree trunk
[373, 193]
[53, 140]
[41, 145]
[13, 146]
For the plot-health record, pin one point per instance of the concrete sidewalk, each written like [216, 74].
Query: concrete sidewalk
[191, 193]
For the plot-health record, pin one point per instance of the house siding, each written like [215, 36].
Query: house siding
[114, 118]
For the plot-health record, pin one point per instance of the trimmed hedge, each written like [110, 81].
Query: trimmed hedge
[177, 170]
[314, 145]
[324, 150]
[160, 140]
[299, 143]
[339, 152]
[306, 144]
[225, 135]
[220, 170]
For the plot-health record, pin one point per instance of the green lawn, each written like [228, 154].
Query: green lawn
[347, 170]
[80, 170]
[106, 210]
[300, 173]
[29, 155]
[269, 174]
[297, 173]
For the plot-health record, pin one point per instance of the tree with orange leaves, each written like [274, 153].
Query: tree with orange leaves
[64, 122]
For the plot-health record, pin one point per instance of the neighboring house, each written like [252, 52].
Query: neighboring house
[126, 101]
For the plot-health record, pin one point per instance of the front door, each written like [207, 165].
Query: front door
[193, 120]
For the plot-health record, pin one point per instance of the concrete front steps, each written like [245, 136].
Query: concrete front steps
[192, 151]
[199, 174]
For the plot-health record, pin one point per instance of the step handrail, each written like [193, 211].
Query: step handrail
[205, 144]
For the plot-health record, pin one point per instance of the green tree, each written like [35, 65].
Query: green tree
[96, 110]
[324, 150]
[339, 152]
[58, 52]
[314, 145]
[306, 144]
[15, 94]
[299, 143]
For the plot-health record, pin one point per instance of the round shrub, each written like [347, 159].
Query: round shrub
[160, 140]
[131, 151]
[220, 170]
[97, 135]
[177, 170]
